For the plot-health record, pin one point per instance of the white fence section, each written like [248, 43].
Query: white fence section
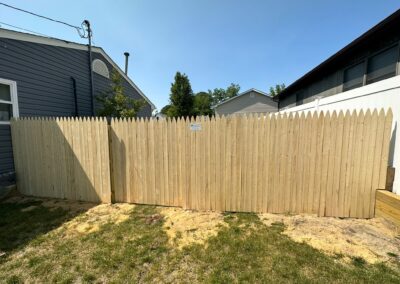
[383, 94]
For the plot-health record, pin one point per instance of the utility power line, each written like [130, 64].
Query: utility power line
[22, 29]
[80, 30]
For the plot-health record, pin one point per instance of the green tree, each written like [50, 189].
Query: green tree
[168, 110]
[274, 91]
[219, 94]
[115, 103]
[202, 104]
[181, 97]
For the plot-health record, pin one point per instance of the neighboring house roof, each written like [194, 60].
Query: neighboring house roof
[10, 34]
[390, 22]
[241, 94]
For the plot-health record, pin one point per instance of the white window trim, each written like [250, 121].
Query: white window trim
[14, 99]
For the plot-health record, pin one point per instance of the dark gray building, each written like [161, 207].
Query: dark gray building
[372, 57]
[42, 76]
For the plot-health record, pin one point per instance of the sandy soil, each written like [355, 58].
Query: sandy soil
[374, 240]
[185, 227]
[95, 217]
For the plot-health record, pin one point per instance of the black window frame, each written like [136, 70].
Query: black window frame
[367, 58]
[364, 62]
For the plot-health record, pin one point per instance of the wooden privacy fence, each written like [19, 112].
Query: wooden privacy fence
[325, 164]
[328, 164]
[62, 158]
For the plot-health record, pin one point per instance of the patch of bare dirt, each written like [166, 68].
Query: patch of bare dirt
[95, 217]
[185, 227]
[374, 240]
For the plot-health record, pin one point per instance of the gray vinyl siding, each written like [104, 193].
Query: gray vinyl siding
[6, 160]
[43, 75]
[247, 104]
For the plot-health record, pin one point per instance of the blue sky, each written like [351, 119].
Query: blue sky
[255, 44]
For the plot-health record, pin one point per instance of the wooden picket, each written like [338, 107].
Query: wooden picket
[328, 164]
[62, 158]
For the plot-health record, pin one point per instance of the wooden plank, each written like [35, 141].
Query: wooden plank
[227, 193]
[271, 165]
[337, 158]
[370, 130]
[260, 162]
[288, 177]
[301, 150]
[325, 163]
[266, 155]
[283, 154]
[312, 164]
[307, 156]
[344, 166]
[221, 197]
[388, 206]
[385, 149]
[357, 164]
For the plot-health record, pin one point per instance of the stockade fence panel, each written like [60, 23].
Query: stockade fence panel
[62, 158]
[328, 164]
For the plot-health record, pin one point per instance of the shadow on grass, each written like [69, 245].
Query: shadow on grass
[21, 222]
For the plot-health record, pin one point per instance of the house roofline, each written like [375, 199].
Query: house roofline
[11, 34]
[342, 51]
[241, 94]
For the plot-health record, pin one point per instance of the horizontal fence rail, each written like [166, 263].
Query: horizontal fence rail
[62, 158]
[328, 164]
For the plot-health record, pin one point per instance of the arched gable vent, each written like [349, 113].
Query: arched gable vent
[100, 68]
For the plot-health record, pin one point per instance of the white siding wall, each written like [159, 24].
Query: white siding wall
[384, 94]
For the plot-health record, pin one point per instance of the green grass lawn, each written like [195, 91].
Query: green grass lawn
[137, 251]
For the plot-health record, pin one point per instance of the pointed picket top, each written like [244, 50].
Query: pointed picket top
[302, 115]
[341, 114]
[196, 119]
[315, 114]
[296, 115]
[368, 112]
[309, 115]
[389, 113]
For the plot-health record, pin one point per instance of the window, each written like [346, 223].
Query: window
[382, 65]
[8, 101]
[100, 68]
[353, 77]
